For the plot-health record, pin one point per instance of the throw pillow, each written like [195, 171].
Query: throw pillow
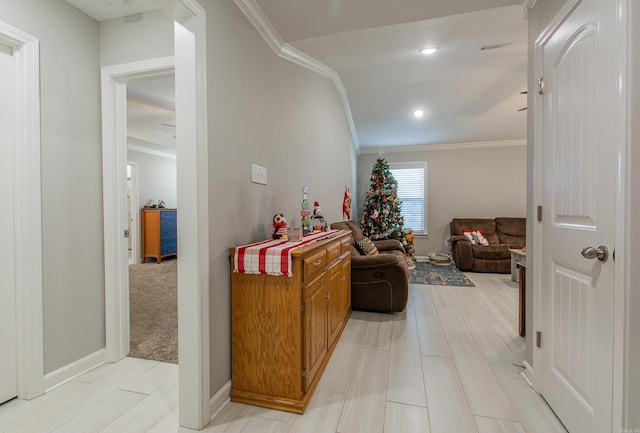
[476, 237]
[366, 247]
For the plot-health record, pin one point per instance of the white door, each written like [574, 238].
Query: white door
[579, 198]
[7, 274]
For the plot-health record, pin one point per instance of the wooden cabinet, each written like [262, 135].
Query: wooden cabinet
[284, 329]
[159, 233]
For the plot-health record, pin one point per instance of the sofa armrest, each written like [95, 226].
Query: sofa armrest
[377, 261]
[457, 238]
[389, 245]
[462, 254]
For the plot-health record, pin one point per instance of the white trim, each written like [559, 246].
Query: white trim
[527, 5]
[73, 370]
[27, 214]
[527, 374]
[193, 223]
[220, 400]
[146, 150]
[451, 146]
[134, 233]
[259, 20]
[623, 205]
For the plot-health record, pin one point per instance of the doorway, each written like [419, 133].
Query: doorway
[8, 355]
[193, 227]
[151, 156]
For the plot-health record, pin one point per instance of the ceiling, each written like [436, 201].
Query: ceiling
[468, 94]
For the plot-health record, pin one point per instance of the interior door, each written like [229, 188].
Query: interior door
[579, 171]
[7, 275]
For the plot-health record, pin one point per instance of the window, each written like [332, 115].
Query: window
[411, 178]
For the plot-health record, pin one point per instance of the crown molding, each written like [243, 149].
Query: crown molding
[527, 5]
[259, 20]
[452, 146]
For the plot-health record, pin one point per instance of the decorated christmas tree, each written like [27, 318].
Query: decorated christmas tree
[381, 218]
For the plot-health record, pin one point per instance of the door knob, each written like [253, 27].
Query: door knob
[601, 253]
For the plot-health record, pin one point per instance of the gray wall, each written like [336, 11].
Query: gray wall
[262, 110]
[483, 182]
[137, 37]
[273, 113]
[73, 260]
[156, 178]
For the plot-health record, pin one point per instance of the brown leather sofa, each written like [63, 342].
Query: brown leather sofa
[502, 234]
[379, 282]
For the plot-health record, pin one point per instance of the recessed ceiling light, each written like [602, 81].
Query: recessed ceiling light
[418, 113]
[428, 51]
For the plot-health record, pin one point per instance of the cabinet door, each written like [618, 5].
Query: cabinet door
[315, 328]
[336, 300]
[339, 296]
[346, 288]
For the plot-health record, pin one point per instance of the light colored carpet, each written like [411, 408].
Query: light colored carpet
[153, 300]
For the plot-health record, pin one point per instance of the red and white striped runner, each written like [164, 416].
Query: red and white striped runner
[271, 257]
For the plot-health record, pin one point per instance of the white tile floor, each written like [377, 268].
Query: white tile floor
[442, 366]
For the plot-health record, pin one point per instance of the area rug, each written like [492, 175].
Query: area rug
[153, 300]
[438, 275]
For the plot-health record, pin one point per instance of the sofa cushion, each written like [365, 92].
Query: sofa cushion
[491, 252]
[366, 247]
[512, 231]
[486, 225]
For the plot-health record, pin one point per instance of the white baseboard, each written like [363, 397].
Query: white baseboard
[73, 370]
[528, 374]
[220, 400]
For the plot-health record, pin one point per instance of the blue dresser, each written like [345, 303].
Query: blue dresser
[159, 233]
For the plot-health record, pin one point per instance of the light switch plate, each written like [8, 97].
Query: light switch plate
[258, 174]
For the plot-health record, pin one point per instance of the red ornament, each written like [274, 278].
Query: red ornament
[384, 200]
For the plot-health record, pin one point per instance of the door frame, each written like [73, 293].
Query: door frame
[193, 224]
[622, 146]
[27, 214]
[134, 233]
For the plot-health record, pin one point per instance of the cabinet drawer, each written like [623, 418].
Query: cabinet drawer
[168, 223]
[168, 232]
[314, 264]
[333, 251]
[169, 248]
[346, 244]
[168, 216]
[170, 240]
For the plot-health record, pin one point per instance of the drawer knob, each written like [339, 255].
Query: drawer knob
[336, 251]
[318, 262]
[343, 278]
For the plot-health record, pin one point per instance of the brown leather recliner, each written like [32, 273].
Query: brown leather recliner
[502, 234]
[379, 282]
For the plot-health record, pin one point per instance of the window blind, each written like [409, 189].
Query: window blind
[411, 188]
